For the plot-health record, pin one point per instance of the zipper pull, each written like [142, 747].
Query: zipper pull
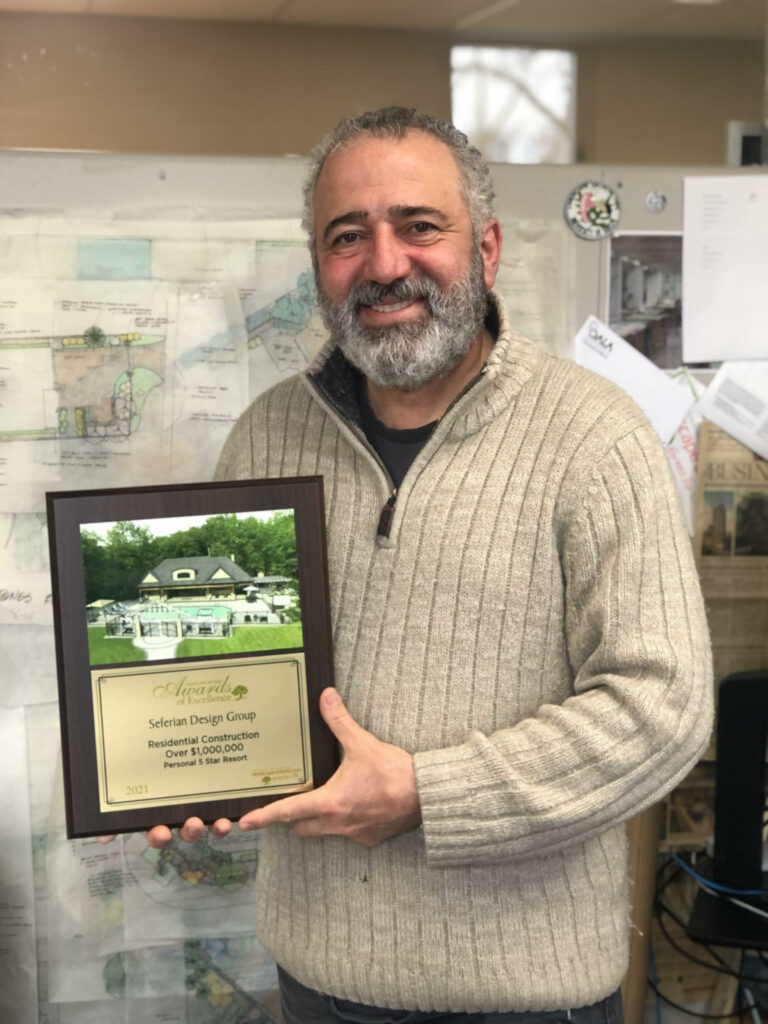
[387, 513]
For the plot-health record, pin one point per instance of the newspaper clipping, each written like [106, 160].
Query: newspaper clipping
[731, 547]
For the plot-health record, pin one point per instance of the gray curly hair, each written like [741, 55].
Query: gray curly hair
[394, 123]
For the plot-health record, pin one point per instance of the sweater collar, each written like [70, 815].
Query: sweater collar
[510, 365]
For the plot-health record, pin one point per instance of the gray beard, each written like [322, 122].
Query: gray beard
[409, 355]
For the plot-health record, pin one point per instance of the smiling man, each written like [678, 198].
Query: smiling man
[519, 639]
[402, 285]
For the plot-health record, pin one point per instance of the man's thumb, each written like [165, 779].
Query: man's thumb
[339, 721]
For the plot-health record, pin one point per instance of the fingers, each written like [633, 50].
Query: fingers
[221, 827]
[292, 808]
[192, 830]
[159, 836]
[340, 722]
[106, 839]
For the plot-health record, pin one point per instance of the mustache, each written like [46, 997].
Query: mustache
[402, 289]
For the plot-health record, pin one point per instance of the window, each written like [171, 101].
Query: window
[517, 105]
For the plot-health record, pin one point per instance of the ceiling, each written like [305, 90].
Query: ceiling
[504, 21]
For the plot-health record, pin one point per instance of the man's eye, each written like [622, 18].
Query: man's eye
[422, 227]
[347, 238]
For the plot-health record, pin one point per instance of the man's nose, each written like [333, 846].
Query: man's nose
[387, 259]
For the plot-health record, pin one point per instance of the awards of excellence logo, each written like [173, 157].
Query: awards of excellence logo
[202, 691]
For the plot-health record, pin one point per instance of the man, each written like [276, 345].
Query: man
[519, 639]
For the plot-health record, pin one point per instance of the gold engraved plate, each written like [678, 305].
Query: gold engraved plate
[201, 731]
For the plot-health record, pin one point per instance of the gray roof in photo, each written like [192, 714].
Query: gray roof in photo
[204, 567]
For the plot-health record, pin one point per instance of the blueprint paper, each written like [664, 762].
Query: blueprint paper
[28, 657]
[216, 261]
[18, 976]
[198, 233]
[111, 384]
[25, 579]
[127, 350]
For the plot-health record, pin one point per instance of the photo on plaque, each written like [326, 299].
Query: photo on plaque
[193, 641]
[171, 597]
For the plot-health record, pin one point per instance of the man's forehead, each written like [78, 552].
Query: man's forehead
[417, 170]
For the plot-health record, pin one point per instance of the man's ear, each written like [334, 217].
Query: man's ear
[490, 250]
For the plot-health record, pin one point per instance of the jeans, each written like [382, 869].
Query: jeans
[302, 1005]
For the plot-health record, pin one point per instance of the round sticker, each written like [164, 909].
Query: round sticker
[656, 202]
[592, 210]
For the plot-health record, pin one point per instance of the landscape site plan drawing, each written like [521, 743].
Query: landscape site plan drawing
[127, 351]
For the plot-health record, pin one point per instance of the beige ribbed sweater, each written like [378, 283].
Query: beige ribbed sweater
[532, 630]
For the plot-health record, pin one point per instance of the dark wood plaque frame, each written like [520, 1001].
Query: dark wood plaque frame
[68, 511]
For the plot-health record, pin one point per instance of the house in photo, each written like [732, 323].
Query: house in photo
[172, 621]
[195, 596]
[196, 578]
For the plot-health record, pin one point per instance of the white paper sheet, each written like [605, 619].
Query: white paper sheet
[737, 401]
[664, 403]
[25, 580]
[28, 659]
[18, 957]
[725, 268]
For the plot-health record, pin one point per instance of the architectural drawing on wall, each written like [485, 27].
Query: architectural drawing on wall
[126, 352]
[167, 877]
[94, 384]
[281, 326]
[25, 579]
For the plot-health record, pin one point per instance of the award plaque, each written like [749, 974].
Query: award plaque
[193, 641]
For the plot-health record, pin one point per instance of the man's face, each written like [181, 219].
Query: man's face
[402, 285]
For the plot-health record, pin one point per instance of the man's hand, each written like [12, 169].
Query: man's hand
[191, 831]
[371, 797]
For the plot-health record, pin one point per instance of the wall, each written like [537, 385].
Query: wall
[665, 102]
[151, 85]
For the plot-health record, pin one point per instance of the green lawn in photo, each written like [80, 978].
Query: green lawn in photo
[245, 639]
[104, 650]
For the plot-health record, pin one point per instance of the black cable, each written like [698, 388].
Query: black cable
[724, 969]
[666, 863]
[661, 908]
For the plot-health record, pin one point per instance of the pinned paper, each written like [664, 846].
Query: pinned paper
[737, 401]
[725, 267]
[662, 400]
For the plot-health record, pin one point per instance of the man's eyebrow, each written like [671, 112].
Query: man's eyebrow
[415, 211]
[356, 216]
[350, 217]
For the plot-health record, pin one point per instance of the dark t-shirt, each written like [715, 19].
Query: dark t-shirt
[396, 448]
